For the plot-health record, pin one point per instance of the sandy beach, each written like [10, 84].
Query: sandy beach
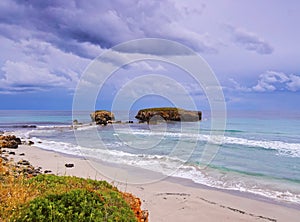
[170, 199]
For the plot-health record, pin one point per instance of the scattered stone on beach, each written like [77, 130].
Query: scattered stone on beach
[30, 142]
[47, 171]
[102, 117]
[23, 162]
[30, 171]
[69, 165]
[23, 167]
[4, 158]
[167, 114]
[9, 141]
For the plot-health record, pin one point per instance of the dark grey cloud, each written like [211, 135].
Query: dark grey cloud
[250, 41]
[71, 24]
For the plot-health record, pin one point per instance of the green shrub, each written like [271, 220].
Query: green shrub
[66, 198]
[77, 205]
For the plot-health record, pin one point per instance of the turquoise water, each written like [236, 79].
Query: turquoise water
[260, 153]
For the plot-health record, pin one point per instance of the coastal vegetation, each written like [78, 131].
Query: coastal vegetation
[48, 197]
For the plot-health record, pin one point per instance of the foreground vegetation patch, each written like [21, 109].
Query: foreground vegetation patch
[60, 198]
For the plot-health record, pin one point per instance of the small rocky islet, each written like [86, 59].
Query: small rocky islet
[102, 117]
[168, 114]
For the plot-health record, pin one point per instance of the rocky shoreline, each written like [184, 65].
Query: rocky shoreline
[8, 146]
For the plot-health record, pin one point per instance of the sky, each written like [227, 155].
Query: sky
[251, 46]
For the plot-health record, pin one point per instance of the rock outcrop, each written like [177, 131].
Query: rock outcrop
[102, 117]
[168, 114]
[9, 141]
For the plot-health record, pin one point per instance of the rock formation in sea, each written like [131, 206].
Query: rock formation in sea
[168, 114]
[102, 117]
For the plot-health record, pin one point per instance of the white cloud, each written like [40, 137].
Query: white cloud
[270, 81]
[20, 73]
[143, 66]
[37, 65]
[237, 86]
[200, 42]
[249, 41]
[294, 83]
[263, 87]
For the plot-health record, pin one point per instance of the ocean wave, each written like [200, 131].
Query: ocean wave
[22, 126]
[53, 126]
[84, 127]
[283, 148]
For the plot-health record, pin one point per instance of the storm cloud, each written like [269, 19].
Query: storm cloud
[75, 25]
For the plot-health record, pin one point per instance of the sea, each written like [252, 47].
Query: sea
[259, 153]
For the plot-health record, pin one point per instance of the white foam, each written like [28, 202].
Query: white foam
[291, 149]
[84, 127]
[53, 126]
[284, 148]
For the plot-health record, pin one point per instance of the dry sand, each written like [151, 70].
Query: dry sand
[170, 199]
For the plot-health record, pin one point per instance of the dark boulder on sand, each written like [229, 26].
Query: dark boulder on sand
[69, 165]
[9, 141]
[30, 142]
[102, 117]
[168, 114]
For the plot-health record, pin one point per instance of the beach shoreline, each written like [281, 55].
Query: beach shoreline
[170, 199]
